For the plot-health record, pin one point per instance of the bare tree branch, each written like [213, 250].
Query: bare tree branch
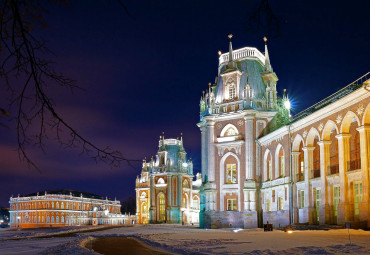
[22, 59]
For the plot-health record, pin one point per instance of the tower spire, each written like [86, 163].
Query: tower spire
[267, 58]
[230, 49]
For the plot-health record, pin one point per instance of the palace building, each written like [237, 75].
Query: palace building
[165, 190]
[260, 164]
[61, 208]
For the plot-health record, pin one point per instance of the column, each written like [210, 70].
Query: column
[324, 164]
[364, 150]
[308, 164]
[249, 147]
[295, 171]
[152, 214]
[343, 156]
[203, 130]
[211, 151]
[169, 198]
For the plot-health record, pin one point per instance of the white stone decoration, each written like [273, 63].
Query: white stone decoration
[223, 147]
[219, 125]
[240, 123]
[304, 134]
[321, 126]
[360, 109]
[339, 118]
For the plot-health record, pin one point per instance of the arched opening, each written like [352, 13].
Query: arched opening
[300, 174]
[280, 162]
[354, 146]
[162, 207]
[316, 158]
[185, 184]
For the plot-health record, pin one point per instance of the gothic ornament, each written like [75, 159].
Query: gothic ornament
[240, 123]
[219, 125]
[321, 126]
[360, 109]
[339, 118]
[304, 134]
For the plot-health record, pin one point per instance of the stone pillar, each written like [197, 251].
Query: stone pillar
[211, 151]
[364, 150]
[308, 164]
[203, 130]
[343, 156]
[249, 191]
[324, 210]
[169, 198]
[295, 170]
[152, 213]
[249, 147]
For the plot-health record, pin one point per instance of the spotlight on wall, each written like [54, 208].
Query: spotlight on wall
[185, 164]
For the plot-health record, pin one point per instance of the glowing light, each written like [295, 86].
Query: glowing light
[185, 164]
[290, 231]
[237, 230]
[287, 104]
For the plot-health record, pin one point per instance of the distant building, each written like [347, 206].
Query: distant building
[259, 164]
[65, 208]
[165, 190]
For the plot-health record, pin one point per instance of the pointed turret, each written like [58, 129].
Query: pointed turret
[231, 59]
[268, 67]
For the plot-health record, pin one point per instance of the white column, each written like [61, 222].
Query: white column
[211, 151]
[343, 156]
[324, 215]
[203, 130]
[249, 147]
[308, 162]
[364, 150]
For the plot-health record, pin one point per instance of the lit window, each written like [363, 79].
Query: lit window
[282, 166]
[281, 203]
[317, 202]
[232, 93]
[196, 204]
[231, 173]
[301, 198]
[268, 205]
[358, 197]
[302, 171]
[162, 209]
[336, 198]
[269, 177]
[231, 204]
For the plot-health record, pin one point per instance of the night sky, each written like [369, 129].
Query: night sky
[144, 74]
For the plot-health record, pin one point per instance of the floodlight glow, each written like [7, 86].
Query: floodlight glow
[185, 164]
[290, 231]
[287, 104]
[237, 230]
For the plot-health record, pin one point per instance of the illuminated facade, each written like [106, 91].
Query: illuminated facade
[260, 165]
[57, 209]
[165, 190]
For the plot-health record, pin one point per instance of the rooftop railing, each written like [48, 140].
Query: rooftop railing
[334, 97]
[243, 53]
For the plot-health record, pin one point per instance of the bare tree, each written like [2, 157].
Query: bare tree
[26, 74]
[263, 18]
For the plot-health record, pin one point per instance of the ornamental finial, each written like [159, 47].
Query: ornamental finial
[265, 39]
[219, 53]
[230, 36]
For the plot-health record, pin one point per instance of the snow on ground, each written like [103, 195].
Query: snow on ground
[190, 240]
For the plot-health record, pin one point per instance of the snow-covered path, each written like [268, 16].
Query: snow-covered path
[190, 240]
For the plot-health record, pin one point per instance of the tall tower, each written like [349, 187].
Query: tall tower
[233, 113]
[165, 190]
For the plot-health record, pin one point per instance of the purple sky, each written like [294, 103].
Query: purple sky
[145, 75]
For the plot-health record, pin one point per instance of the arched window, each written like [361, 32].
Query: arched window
[62, 206]
[282, 163]
[162, 207]
[144, 208]
[57, 205]
[230, 173]
[161, 181]
[52, 219]
[57, 219]
[48, 219]
[196, 203]
[232, 93]
[269, 168]
[62, 219]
